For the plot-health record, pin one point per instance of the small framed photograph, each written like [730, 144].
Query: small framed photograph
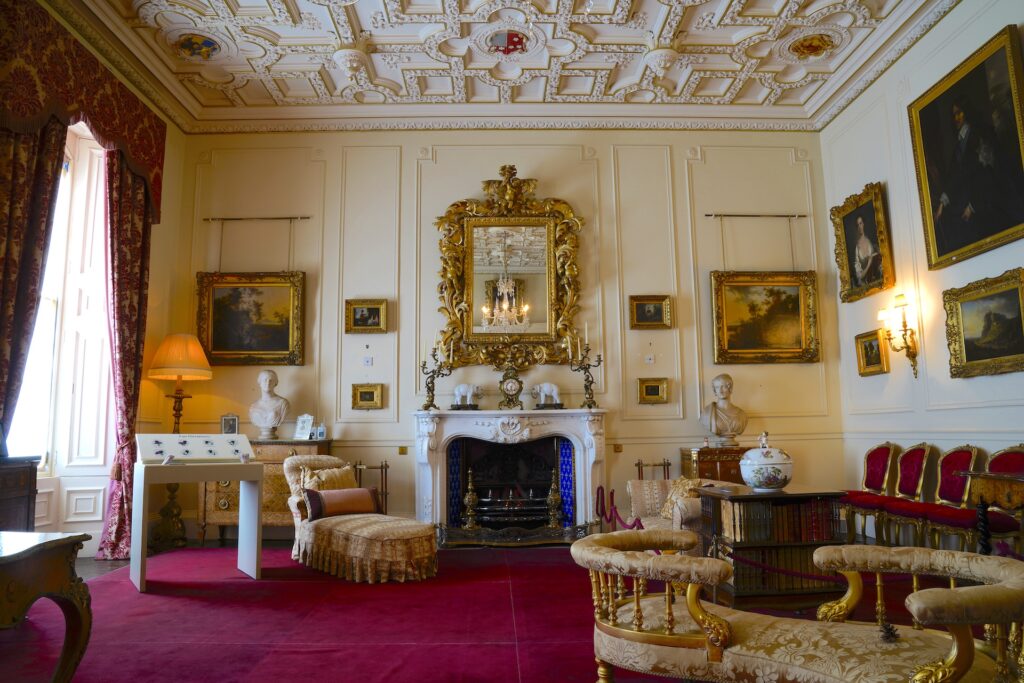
[366, 316]
[984, 331]
[765, 317]
[303, 427]
[652, 390]
[229, 423]
[251, 318]
[650, 312]
[872, 353]
[367, 396]
[862, 244]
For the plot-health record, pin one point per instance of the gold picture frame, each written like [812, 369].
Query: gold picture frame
[652, 390]
[765, 317]
[509, 208]
[367, 396]
[650, 312]
[366, 316]
[863, 251]
[970, 170]
[251, 318]
[984, 329]
[872, 353]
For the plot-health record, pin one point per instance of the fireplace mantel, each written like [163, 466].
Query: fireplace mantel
[436, 429]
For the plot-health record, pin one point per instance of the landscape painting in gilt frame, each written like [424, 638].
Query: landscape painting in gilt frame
[863, 254]
[968, 138]
[984, 328]
[872, 353]
[251, 318]
[765, 317]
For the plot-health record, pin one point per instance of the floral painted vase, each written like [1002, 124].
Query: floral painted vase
[766, 468]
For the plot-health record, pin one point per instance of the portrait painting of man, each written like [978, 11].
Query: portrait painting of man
[967, 134]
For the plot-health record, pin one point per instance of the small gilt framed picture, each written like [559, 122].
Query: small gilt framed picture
[366, 316]
[229, 423]
[872, 353]
[650, 312]
[367, 396]
[652, 390]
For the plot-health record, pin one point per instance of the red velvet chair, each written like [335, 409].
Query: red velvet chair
[950, 493]
[910, 467]
[870, 499]
[963, 521]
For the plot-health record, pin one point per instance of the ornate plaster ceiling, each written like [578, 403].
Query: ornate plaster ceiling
[225, 65]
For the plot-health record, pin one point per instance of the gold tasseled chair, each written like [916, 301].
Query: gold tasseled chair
[370, 547]
[869, 501]
[644, 628]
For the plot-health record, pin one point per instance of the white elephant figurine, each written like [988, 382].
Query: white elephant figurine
[466, 393]
[546, 392]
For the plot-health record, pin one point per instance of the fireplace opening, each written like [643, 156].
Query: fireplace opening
[512, 483]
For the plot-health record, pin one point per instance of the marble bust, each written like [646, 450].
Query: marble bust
[720, 417]
[268, 412]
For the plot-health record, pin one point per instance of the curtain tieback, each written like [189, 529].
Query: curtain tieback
[115, 472]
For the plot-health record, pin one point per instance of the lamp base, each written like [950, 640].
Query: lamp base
[169, 532]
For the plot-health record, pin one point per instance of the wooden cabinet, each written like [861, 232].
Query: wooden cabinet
[18, 494]
[770, 539]
[709, 462]
[218, 500]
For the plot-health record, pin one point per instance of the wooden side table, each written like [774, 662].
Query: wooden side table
[712, 462]
[993, 488]
[35, 565]
[18, 493]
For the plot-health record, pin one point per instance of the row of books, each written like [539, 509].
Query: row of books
[782, 522]
[756, 570]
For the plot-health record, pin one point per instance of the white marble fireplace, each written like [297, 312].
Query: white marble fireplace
[437, 429]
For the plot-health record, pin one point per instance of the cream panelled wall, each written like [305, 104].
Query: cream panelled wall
[372, 199]
[870, 142]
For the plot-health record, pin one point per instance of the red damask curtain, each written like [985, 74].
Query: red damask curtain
[29, 171]
[128, 238]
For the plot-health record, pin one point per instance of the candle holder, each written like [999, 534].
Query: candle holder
[439, 369]
[583, 364]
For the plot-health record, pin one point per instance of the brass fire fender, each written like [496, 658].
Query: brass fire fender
[511, 198]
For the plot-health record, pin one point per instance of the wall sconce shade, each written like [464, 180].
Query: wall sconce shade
[180, 357]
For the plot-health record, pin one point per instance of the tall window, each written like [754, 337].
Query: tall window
[65, 408]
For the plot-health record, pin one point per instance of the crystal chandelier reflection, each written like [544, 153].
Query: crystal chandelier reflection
[509, 313]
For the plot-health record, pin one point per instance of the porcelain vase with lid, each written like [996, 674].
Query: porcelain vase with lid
[766, 468]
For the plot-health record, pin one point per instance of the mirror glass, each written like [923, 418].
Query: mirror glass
[511, 279]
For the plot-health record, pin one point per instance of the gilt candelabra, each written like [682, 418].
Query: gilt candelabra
[440, 369]
[582, 364]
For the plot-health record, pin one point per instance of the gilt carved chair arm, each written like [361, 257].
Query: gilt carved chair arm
[624, 553]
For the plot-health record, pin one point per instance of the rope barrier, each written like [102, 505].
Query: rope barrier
[612, 516]
[784, 572]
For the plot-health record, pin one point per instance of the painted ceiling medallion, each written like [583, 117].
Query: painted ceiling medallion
[196, 46]
[507, 42]
[814, 45]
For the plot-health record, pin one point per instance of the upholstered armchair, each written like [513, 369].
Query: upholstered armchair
[869, 501]
[950, 492]
[363, 546]
[647, 498]
[643, 627]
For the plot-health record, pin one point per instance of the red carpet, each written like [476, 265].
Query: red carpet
[491, 615]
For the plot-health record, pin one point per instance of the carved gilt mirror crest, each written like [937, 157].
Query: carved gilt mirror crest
[509, 276]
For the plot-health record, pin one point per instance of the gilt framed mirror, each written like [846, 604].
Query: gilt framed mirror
[509, 276]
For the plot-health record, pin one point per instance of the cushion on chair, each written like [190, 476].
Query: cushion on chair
[876, 465]
[866, 501]
[952, 486]
[1007, 462]
[911, 509]
[326, 479]
[681, 488]
[967, 518]
[340, 502]
[911, 469]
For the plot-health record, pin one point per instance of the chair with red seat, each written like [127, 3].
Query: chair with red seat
[870, 499]
[910, 468]
[963, 521]
[950, 493]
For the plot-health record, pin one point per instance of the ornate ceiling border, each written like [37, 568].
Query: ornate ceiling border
[99, 38]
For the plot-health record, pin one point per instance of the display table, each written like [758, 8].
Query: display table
[35, 565]
[993, 488]
[770, 539]
[250, 499]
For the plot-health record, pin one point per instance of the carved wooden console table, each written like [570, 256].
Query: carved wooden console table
[43, 565]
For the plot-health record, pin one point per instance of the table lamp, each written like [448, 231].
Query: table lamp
[179, 357]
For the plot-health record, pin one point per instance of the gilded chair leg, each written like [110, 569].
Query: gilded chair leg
[879, 600]
[916, 586]
[604, 672]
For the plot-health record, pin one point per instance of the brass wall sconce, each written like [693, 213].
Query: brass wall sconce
[908, 340]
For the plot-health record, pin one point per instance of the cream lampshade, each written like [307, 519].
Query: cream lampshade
[179, 357]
